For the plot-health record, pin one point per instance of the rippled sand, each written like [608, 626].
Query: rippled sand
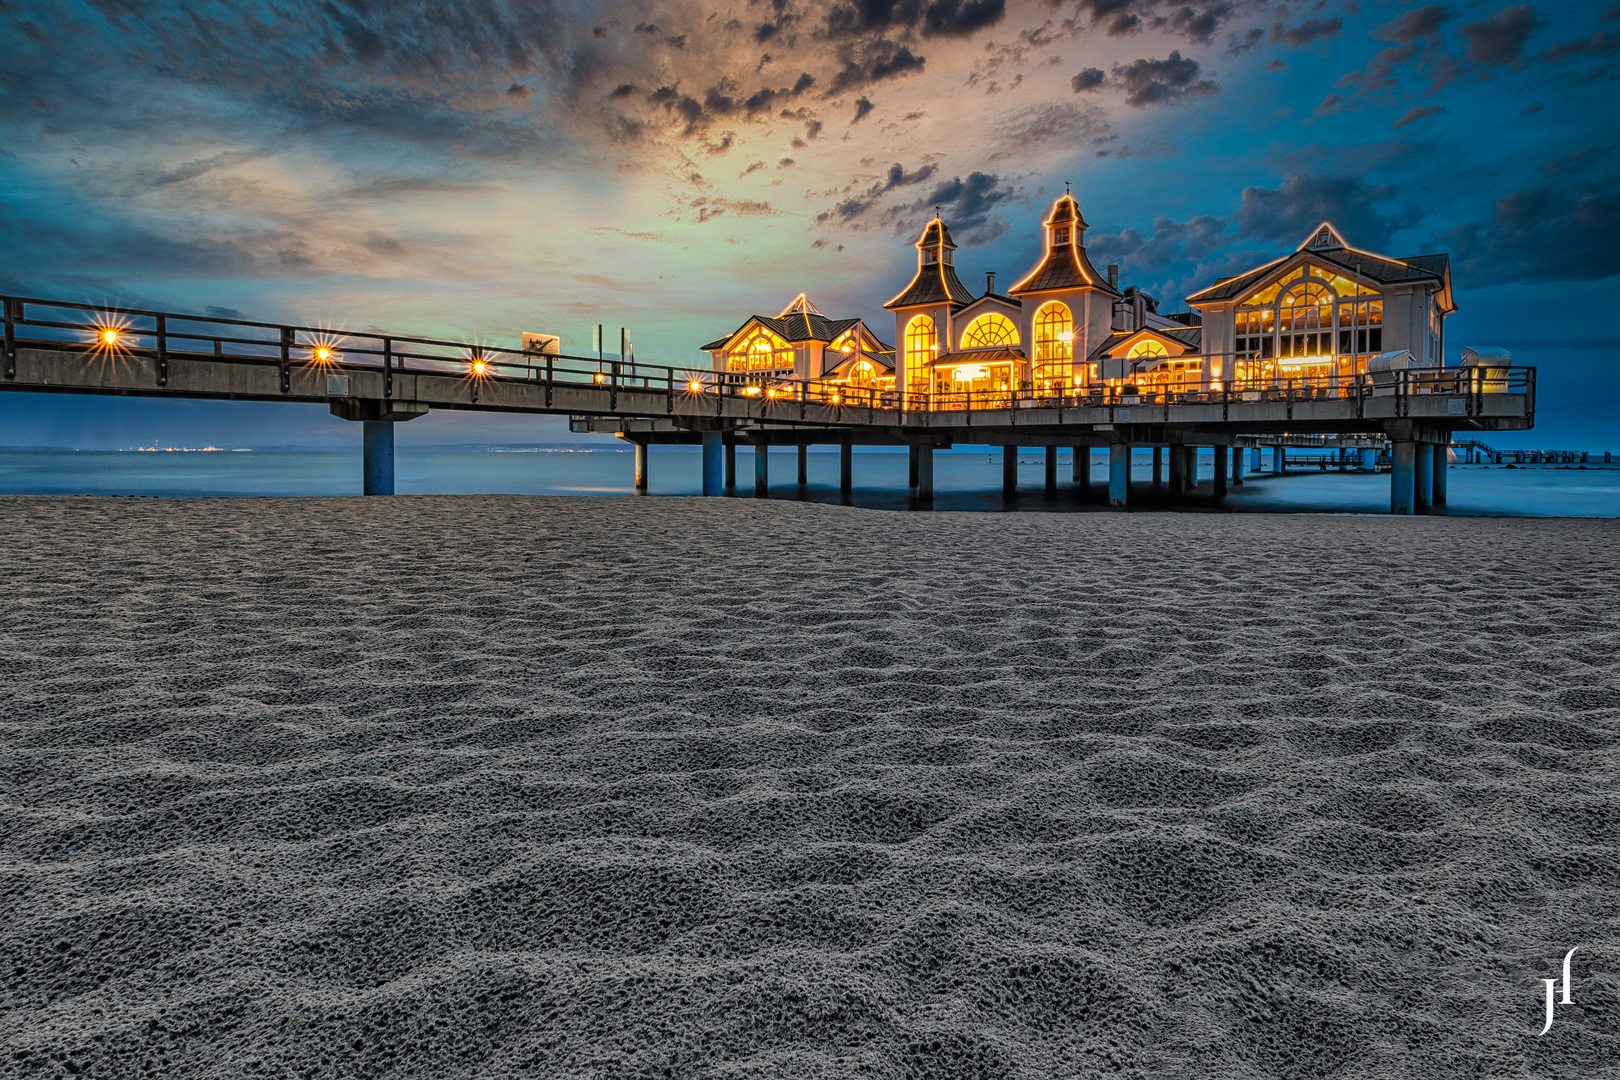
[599, 788]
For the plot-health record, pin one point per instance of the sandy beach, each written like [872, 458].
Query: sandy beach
[477, 787]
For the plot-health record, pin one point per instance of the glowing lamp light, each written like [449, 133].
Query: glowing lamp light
[968, 374]
[751, 391]
[1066, 336]
[601, 378]
[322, 354]
[479, 367]
[695, 386]
[107, 335]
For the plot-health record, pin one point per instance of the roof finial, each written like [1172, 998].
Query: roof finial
[936, 213]
[1066, 190]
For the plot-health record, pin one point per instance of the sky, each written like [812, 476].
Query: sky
[475, 170]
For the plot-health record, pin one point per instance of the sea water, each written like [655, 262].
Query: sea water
[963, 479]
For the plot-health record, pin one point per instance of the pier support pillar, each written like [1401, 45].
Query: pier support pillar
[1178, 471]
[1442, 472]
[912, 453]
[377, 440]
[1279, 459]
[846, 468]
[1158, 467]
[731, 465]
[1192, 469]
[804, 464]
[1081, 466]
[1219, 477]
[1119, 474]
[1009, 471]
[1401, 488]
[925, 474]
[1257, 464]
[713, 464]
[1237, 466]
[1423, 477]
[1051, 472]
[641, 468]
[762, 470]
[1369, 459]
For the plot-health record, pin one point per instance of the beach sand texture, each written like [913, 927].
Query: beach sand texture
[472, 787]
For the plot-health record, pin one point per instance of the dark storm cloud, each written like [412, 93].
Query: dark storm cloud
[968, 207]
[1307, 32]
[1118, 17]
[857, 207]
[1157, 82]
[1284, 214]
[946, 18]
[863, 108]
[1500, 39]
[871, 62]
[1088, 79]
[1540, 235]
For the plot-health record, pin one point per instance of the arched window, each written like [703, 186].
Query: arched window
[990, 331]
[1147, 349]
[1054, 347]
[862, 373]
[1307, 306]
[922, 345]
[759, 350]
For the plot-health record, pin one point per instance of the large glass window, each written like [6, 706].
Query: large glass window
[922, 345]
[990, 331]
[862, 373]
[759, 350]
[1054, 347]
[1147, 350]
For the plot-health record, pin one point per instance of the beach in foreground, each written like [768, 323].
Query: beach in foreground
[488, 786]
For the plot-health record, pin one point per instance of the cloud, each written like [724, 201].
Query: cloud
[856, 207]
[710, 207]
[1414, 114]
[968, 207]
[1579, 161]
[863, 109]
[1412, 25]
[1036, 128]
[1311, 30]
[1089, 79]
[1238, 44]
[1500, 39]
[1156, 82]
[1540, 235]
[1284, 214]
[957, 18]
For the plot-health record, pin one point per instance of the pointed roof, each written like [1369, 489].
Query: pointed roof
[799, 305]
[793, 327]
[1190, 338]
[1065, 265]
[936, 281]
[1326, 245]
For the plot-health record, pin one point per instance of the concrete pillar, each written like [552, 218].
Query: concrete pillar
[1369, 459]
[911, 466]
[641, 468]
[1423, 477]
[1082, 470]
[714, 482]
[1259, 460]
[846, 467]
[377, 453]
[762, 471]
[1237, 466]
[731, 465]
[1178, 471]
[1279, 459]
[1158, 466]
[1219, 476]
[804, 464]
[1009, 471]
[1401, 488]
[1119, 474]
[925, 474]
[1192, 468]
[1051, 472]
[1442, 472]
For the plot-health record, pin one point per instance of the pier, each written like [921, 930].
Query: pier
[379, 381]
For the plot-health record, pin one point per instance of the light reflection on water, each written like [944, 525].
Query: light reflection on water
[963, 480]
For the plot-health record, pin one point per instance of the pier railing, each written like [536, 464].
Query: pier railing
[112, 331]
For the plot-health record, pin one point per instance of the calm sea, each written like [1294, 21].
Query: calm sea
[963, 480]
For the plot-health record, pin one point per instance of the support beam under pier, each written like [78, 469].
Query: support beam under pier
[641, 468]
[731, 465]
[1423, 477]
[925, 474]
[762, 471]
[378, 452]
[1220, 471]
[1119, 474]
[1401, 488]
[1082, 470]
[1178, 472]
[713, 464]
[1237, 466]
[1051, 472]
[1442, 471]
[1009, 471]
[804, 464]
[1192, 469]
[1158, 467]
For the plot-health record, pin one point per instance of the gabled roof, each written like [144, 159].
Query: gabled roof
[1010, 301]
[1191, 338]
[1326, 245]
[795, 327]
[936, 281]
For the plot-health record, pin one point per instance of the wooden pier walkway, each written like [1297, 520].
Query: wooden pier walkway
[380, 380]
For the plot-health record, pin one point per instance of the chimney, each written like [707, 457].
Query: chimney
[1113, 276]
[989, 281]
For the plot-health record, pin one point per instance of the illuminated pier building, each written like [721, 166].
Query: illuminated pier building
[1316, 317]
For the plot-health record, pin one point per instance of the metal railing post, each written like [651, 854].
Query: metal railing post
[549, 361]
[286, 359]
[388, 367]
[162, 351]
[11, 339]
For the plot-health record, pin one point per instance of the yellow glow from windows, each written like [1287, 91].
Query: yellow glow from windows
[759, 350]
[991, 330]
[1147, 350]
[922, 341]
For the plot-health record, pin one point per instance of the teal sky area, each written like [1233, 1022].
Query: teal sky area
[478, 170]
